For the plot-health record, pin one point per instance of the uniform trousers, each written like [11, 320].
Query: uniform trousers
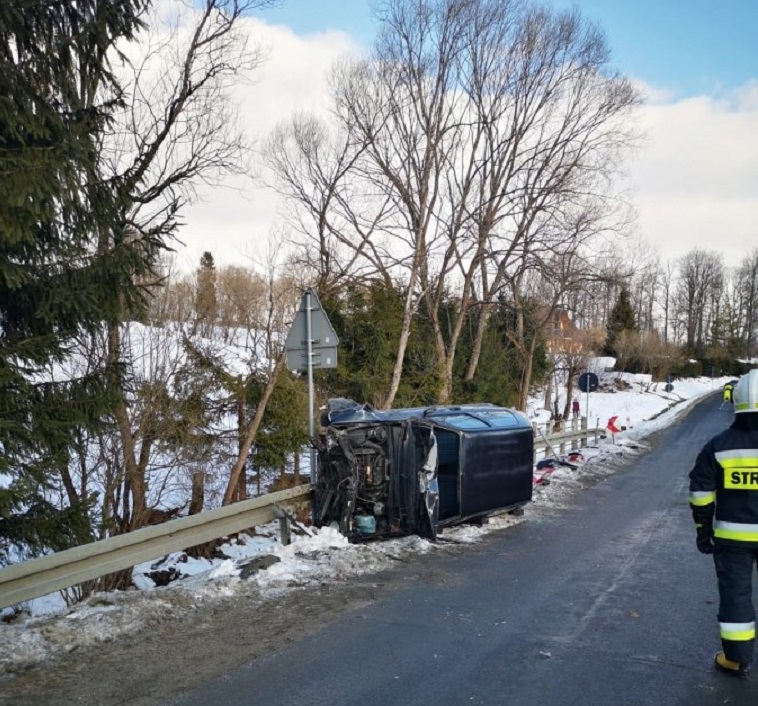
[734, 569]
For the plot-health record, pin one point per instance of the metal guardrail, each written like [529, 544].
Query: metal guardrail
[38, 577]
[554, 436]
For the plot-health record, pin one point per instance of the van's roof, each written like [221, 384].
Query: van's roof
[468, 417]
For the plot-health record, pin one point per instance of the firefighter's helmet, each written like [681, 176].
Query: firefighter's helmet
[745, 396]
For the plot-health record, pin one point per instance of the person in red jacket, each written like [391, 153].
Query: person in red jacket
[724, 502]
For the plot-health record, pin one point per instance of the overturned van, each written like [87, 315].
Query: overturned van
[415, 471]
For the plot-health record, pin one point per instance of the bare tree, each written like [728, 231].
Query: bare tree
[572, 349]
[242, 296]
[644, 282]
[554, 148]
[747, 287]
[668, 273]
[700, 281]
[267, 365]
[180, 130]
[657, 357]
[170, 294]
[473, 130]
[337, 222]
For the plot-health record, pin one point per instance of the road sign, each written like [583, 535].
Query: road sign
[311, 343]
[588, 382]
[669, 387]
[323, 340]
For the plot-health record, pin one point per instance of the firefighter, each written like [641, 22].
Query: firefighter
[724, 501]
[728, 391]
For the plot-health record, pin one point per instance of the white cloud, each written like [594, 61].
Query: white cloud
[696, 177]
[236, 220]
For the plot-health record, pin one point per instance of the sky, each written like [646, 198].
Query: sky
[693, 181]
[325, 555]
[689, 47]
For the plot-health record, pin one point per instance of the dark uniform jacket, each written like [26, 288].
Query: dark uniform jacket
[724, 483]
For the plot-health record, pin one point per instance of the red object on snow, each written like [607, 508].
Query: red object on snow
[611, 426]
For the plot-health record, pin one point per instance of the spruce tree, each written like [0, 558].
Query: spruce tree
[206, 301]
[58, 95]
[620, 319]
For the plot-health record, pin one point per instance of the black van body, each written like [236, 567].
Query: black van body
[415, 471]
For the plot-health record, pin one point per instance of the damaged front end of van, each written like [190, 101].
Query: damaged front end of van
[415, 471]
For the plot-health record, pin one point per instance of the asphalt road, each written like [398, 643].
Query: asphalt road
[605, 603]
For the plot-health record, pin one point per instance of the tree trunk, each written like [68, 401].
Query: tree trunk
[402, 345]
[244, 452]
[241, 492]
[476, 347]
[548, 401]
[526, 376]
[569, 391]
[197, 500]
[135, 479]
[444, 385]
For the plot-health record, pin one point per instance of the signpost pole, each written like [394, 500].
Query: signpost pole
[309, 361]
[588, 382]
[311, 343]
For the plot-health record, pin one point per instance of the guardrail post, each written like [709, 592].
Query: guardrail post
[574, 429]
[583, 426]
[284, 530]
[561, 429]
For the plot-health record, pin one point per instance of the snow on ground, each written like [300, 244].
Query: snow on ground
[46, 628]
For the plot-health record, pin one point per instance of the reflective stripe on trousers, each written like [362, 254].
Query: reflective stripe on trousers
[737, 631]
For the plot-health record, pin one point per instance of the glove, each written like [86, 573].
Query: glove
[704, 539]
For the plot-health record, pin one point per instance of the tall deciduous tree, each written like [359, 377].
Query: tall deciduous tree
[700, 278]
[479, 135]
[747, 288]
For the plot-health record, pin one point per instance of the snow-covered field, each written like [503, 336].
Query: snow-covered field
[46, 627]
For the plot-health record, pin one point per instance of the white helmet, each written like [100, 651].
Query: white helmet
[745, 395]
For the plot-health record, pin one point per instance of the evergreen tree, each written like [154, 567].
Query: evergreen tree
[367, 320]
[206, 302]
[620, 319]
[55, 282]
